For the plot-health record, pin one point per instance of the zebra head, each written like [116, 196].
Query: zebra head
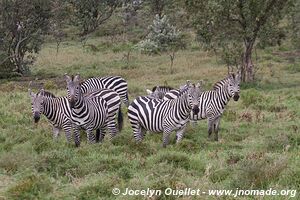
[156, 93]
[193, 97]
[37, 107]
[73, 89]
[234, 85]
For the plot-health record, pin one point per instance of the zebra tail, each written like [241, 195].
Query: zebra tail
[97, 135]
[127, 100]
[120, 119]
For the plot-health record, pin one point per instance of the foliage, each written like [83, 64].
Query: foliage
[294, 14]
[162, 37]
[23, 24]
[260, 154]
[223, 24]
[59, 21]
[90, 14]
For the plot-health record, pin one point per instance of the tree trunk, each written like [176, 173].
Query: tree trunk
[248, 67]
[172, 57]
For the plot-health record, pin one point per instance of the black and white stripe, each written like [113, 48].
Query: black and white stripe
[213, 102]
[156, 115]
[116, 83]
[56, 109]
[114, 106]
[89, 113]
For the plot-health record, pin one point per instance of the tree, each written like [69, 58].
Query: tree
[236, 23]
[22, 26]
[294, 14]
[162, 37]
[90, 14]
[59, 21]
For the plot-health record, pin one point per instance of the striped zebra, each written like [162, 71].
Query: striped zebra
[56, 109]
[91, 112]
[114, 106]
[156, 115]
[158, 92]
[116, 83]
[213, 102]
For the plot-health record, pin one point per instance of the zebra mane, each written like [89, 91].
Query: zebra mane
[47, 94]
[221, 82]
[162, 87]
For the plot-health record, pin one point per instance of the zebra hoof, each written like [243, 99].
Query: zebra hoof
[77, 144]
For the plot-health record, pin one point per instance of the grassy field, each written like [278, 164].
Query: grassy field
[259, 136]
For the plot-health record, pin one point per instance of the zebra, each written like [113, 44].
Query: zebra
[114, 105]
[56, 109]
[116, 83]
[213, 102]
[89, 112]
[156, 115]
[159, 92]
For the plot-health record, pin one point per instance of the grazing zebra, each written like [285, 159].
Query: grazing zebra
[213, 102]
[116, 83]
[89, 112]
[56, 109]
[156, 115]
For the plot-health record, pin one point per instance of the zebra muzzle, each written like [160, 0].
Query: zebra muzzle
[72, 103]
[236, 96]
[195, 110]
[36, 117]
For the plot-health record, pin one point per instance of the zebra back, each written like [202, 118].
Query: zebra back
[116, 83]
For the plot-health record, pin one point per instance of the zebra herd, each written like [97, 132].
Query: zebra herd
[95, 105]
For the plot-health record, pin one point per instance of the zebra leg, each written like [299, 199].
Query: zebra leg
[55, 132]
[166, 136]
[76, 136]
[111, 125]
[90, 135]
[216, 128]
[210, 127]
[193, 123]
[180, 133]
[100, 133]
[137, 130]
[67, 128]
[143, 133]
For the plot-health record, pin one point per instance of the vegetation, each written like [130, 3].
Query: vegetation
[235, 26]
[259, 136]
[162, 37]
[22, 28]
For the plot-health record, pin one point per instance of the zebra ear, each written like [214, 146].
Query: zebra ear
[77, 78]
[42, 92]
[188, 83]
[149, 91]
[199, 84]
[67, 77]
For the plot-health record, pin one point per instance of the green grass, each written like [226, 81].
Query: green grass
[258, 146]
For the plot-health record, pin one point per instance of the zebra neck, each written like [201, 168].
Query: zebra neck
[80, 102]
[49, 108]
[183, 106]
[223, 96]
